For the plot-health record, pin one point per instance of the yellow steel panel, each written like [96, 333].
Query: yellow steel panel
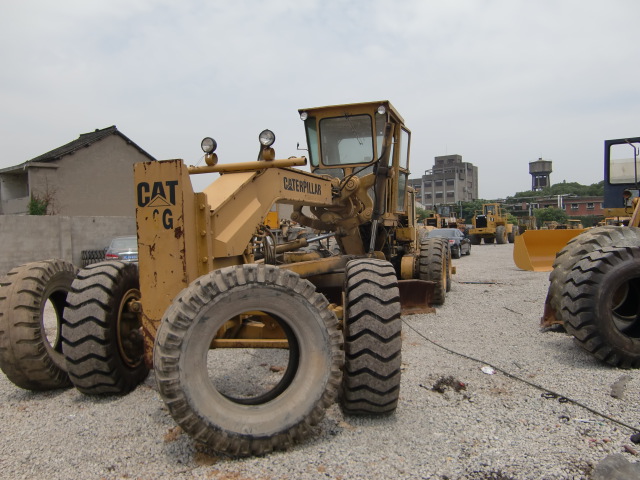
[165, 219]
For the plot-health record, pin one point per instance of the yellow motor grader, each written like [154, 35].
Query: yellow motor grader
[251, 339]
[594, 289]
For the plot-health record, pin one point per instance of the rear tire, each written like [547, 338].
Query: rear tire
[501, 234]
[102, 337]
[373, 342]
[433, 266]
[285, 414]
[474, 239]
[601, 305]
[511, 237]
[28, 357]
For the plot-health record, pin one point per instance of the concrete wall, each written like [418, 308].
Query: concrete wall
[97, 180]
[31, 238]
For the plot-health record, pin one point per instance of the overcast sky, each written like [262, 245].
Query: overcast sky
[500, 82]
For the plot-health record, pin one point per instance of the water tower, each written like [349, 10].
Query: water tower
[540, 170]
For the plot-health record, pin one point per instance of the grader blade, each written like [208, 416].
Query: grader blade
[416, 296]
[535, 250]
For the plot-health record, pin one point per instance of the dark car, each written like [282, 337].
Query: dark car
[458, 241]
[123, 248]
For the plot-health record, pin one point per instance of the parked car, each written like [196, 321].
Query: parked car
[123, 248]
[458, 241]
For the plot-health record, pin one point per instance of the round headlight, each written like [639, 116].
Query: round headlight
[267, 137]
[304, 116]
[382, 110]
[208, 145]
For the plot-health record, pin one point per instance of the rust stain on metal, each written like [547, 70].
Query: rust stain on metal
[152, 250]
[179, 232]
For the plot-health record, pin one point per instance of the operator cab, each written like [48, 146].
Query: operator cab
[621, 173]
[348, 140]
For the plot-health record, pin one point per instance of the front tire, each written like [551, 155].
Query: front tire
[102, 335]
[373, 342]
[30, 349]
[273, 420]
[432, 266]
[601, 305]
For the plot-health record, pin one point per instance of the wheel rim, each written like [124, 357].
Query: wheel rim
[625, 307]
[129, 330]
[268, 384]
[52, 309]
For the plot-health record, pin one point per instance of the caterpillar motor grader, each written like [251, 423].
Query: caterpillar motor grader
[250, 339]
[594, 286]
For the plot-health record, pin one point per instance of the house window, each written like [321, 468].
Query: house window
[427, 183]
[574, 206]
[590, 206]
[450, 182]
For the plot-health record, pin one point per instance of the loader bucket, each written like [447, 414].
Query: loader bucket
[416, 296]
[535, 250]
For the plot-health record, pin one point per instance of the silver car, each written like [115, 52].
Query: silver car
[123, 248]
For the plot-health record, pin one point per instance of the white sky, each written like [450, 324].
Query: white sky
[500, 82]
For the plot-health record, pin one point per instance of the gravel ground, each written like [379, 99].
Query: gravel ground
[472, 425]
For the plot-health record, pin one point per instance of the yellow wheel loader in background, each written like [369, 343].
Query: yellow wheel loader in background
[491, 225]
[215, 299]
[594, 289]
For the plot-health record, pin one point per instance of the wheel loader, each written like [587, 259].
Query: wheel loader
[491, 225]
[594, 286]
[251, 339]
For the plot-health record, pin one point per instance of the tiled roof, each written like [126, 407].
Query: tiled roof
[84, 141]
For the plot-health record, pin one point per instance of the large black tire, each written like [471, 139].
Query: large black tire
[578, 247]
[501, 234]
[30, 349]
[285, 414]
[511, 237]
[102, 336]
[475, 239]
[373, 341]
[449, 264]
[489, 240]
[432, 266]
[601, 305]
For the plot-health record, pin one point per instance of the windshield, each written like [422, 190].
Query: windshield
[346, 140]
[623, 167]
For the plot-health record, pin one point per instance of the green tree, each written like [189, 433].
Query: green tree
[564, 188]
[469, 209]
[550, 214]
[37, 205]
[422, 213]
